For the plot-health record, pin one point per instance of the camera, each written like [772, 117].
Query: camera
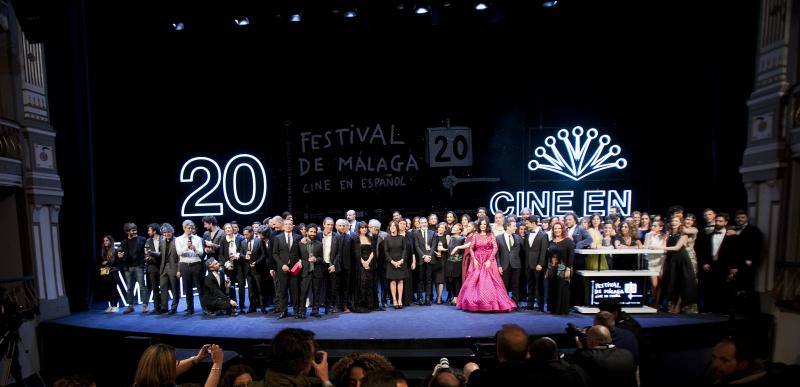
[574, 331]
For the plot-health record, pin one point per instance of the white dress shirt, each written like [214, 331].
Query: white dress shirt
[186, 255]
[716, 241]
[327, 241]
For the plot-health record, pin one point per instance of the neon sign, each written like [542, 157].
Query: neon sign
[208, 172]
[575, 165]
[578, 154]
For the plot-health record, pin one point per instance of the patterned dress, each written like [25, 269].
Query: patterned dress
[483, 289]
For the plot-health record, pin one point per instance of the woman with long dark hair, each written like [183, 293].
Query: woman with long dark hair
[483, 289]
[108, 269]
[364, 298]
[560, 259]
[395, 248]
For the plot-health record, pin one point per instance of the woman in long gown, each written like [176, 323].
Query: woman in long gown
[395, 250]
[596, 261]
[681, 288]
[655, 240]
[483, 289]
[452, 268]
[560, 258]
[364, 298]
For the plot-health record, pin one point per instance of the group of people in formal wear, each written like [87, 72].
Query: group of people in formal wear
[499, 264]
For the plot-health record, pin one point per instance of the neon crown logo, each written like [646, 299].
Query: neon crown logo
[576, 165]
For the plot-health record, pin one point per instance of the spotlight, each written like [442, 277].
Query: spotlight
[350, 13]
[295, 18]
[241, 22]
[178, 26]
[550, 4]
[481, 6]
[421, 10]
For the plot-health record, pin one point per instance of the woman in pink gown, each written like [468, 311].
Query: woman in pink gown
[483, 289]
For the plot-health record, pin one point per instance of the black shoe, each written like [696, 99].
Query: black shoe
[236, 313]
[190, 311]
[251, 310]
[173, 311]
[242, 311]
[264, 310]
[283, 315]
[303, 317]
[328, 310]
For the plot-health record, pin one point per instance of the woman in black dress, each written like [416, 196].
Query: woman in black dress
[452, 268]
[109, 266]
[560, 257]
[681, 287]
[439, 258]
[364, 297]
[408, 292]
[626, 239]
[395, 249]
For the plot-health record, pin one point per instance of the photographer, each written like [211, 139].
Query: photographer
[294, 355]
[605, 364]
[550, 369]
[512, 357]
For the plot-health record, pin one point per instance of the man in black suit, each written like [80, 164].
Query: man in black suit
[717, 260]
[215, 297]
[376, 237]
[326, 266]
[169, 268]
[344, 264]
[231, 256]
[509, 245]
[286, 253]
[424, 245]
[312, 274]
[749, 245]
[605, 364]
[512, 361]
[263, 265]
[152, 262]
[212, 237]
[535, 249]
[250, 246]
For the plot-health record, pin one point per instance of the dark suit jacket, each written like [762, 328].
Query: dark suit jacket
[421, 248]
[342, 251]
[169, 259]
[282, 254]
[316, 250]
[536, 253]
[155, 254]
[217, 239]
[506, 258]
[581, 237]
[256, 255]
[726, 255]
[750, 241]
[214, 291]
[137, 260]
[224, 249]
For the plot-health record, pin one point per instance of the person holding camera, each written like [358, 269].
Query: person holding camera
[295, 354]
[551, 369]
[158, 366]
[605, 364]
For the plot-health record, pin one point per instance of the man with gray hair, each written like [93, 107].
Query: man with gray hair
[377, 237]
[190, 252]
[169, 269]
[344, 256]
[605, 364]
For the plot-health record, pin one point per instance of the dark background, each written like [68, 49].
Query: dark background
[132, 100]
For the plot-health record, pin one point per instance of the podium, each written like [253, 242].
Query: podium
[627, 286]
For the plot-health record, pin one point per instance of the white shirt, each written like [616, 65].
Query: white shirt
[216, 275]
[532, 236]
[509, 240]
[185, 255]
[716, 241]
[288, 237]
[327, 241]
[353, 226]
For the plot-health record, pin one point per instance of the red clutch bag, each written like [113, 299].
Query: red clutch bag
[295, 270]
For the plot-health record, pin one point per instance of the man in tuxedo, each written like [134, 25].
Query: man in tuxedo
[263, 265]
[327, 264]
[215, 296]
[424, 245]
[152, 261]
[250, 246]
[535, 249]
[131, 252]
[168, 268]
[749, 244]
[509, 245]
[377, 236]
[717, 259]
[212, 237]
[313, 273]
[286, 253]
[344, 257]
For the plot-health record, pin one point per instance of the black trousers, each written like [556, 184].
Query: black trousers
[453, 286]
[326, 293]
[511, 280]
[154, 284]
[267, 285]
[536, 286]
[246, 275]
[383, 283]
[281, 290]
[343, 291]
[169, 282]
[299, 288]
[192, 274]
[424, 280]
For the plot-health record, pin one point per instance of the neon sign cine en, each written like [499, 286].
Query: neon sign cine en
[575, 157]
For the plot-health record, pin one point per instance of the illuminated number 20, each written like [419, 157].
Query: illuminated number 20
[208, 172]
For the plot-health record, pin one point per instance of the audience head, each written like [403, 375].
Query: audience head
[512, 344]
[292, 351]
[543, 350]
[469, 368]
[605, 319]
[597, 336]
[351, 370]
[445, 378]
[156, 367]
[238, 375]
[731, 356]
[382, 378]
[75, 381]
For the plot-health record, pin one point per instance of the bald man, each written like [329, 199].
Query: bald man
[606, 364]
[512, 358]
